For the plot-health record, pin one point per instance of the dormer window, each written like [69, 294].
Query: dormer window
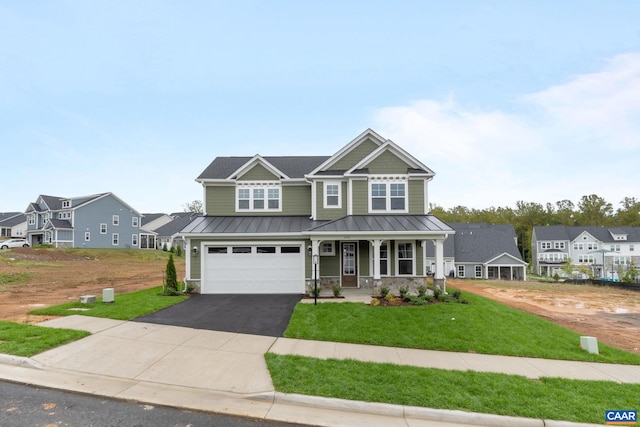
[66, 204]
[258, 198]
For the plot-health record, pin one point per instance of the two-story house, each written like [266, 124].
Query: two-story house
[358, 218]
[605, 252]
[12, 224]
[95, 221]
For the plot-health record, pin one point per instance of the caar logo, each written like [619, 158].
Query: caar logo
[621, 418]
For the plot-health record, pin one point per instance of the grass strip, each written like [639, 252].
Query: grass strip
[501, 394]
[483, 326]
[125, 306]
[26, 340]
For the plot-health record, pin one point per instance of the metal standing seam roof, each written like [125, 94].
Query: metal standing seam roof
[384, 223]
[249, 225]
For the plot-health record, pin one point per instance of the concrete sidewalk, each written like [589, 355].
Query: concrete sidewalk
[226, 372]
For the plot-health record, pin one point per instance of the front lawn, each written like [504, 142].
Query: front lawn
[125, 306]
[26, 340]
[548, 398]
[483, 326]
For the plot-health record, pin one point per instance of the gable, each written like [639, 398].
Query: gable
[505, 259]
[354, 156]
[387, 163]
[258, 173]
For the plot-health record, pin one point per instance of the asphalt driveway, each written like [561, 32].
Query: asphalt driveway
[266, 315]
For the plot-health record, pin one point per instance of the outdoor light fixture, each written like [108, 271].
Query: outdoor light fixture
[309, 250]
[195, 250]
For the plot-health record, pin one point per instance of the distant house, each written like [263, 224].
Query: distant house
[95, 221]
[169, 233]
[482, 251]
[153, 221]
[602, 252]
[13, 225]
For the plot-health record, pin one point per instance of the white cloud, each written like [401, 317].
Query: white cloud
[566, 141]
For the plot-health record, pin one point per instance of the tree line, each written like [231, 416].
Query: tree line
[591, 210]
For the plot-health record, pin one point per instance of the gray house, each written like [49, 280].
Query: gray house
[96, 221]
[358, 218]
[13, 224]
[603, 252]
[483, 251]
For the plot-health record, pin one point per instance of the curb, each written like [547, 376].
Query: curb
[412, 412]
[25, 362]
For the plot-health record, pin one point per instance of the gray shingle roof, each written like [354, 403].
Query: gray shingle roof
[570, 233]
[292, 166]
[175, 226]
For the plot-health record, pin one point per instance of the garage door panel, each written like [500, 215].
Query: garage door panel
[259, 271]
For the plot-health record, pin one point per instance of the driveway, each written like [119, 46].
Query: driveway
[266, 315]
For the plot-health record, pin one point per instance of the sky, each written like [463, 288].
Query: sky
[535, 101]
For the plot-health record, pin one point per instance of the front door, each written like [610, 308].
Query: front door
[349, 265]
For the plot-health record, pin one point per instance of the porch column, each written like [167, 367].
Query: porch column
[438, 276]
[423, 243]
[315, 252]
[376, 258]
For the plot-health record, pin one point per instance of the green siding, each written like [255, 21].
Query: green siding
[355, 155]
[330, 264]
[220, 200]
[416, 197]
[360, 197]
[388, 162]
[333, 213]
[363, 258]
[296, 200]
[258, 173]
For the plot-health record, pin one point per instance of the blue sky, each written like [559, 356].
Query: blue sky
[536, 101]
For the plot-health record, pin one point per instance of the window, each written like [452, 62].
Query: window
[615, 248]
[592, 246]
[241, 250]
[87, 236]
[388, 197]
[578, 246]
[621, 260]
[405, 259]
[115, 239]
[103, 228]
[290, 250]
[266, 249]
[217, 249]
[134, 221]
[461, 271]
[545, 245]
[116, 220]
[384, 259]
[66, 203]
[558, 245]
[32, 219]
[327, 249]
[586, 259]
[134, 240]
[258, 198]
[478, 271]
[332, 195]
[631, 248]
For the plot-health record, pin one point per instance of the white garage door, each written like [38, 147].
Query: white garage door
[257, 268]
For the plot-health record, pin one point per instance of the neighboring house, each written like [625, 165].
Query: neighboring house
[359, 218]
[169, 233]
[153, 221]
[13, 225]
[482, 251]
[95, 221]
[603, 252]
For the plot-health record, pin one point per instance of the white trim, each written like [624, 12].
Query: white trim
[261, 185]
[368, 133]
[388, 181]
[397, 257]
[339, 195]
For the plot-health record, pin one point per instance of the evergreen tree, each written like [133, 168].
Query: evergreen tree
[171, 281]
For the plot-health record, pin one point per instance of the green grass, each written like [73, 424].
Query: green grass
[125, 306]
[10, 280]
[483, 326]
[26, 340]
[549, 398]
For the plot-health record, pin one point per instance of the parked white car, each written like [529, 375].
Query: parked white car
[14, 243]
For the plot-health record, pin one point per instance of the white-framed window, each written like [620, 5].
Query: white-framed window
[31, 220]
[388, 196]
[332, 194]
[384, 259]
[586, 259]
[259, 198]
[478, 271]
[615, 248]
[103, 228]
[461, 271]
[116, 220]
[592, 246]
[621, 260]
[135, 221]
[405, 259]
[578, 246]
[327, 248]
[66, 203]
[87, 236]
[631, 248]
[115, 239]
[134, 240]
[545, 245]
[558, 245]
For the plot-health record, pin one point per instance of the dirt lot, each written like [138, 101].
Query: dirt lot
[47, 277]
[610, 314]
[32, 278]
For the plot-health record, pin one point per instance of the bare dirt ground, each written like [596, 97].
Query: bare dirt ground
[48, 277]
[610, 314]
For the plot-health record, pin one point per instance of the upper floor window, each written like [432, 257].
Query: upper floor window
[103, 228]
[66, 203]
[615, 248]
[31, 219]
[388, 197]
[578, 246]
[116, 220]
[592, 246]
[332, 196]
[258, 198]
[558, 245]
[545, 245]
[134, 221]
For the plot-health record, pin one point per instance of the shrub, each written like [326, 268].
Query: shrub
[403, 292]
[390, 297]
[170, 280]
[420, 300]
[164, 247]
[375, 302]
[337, 290]
[384, 291]
[422, 290]
[313, 291]
[178, 250]
[437, 293]
[456, 293]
